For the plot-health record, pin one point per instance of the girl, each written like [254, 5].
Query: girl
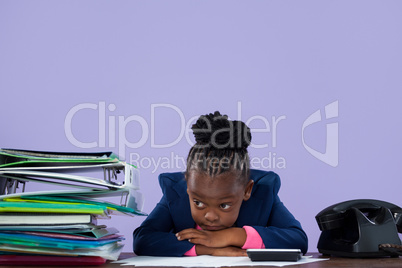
[219, 206]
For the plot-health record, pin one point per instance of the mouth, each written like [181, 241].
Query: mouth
[212, 228]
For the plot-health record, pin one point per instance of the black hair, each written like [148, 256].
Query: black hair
[221, 146]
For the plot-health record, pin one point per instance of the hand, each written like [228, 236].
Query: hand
[225, 251]
[217, 239]
[202, 237]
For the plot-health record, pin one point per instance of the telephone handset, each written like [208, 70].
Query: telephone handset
[360, 228]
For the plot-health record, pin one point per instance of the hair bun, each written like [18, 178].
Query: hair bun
[219, 132]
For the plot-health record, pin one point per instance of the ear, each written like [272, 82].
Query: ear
[247, 191]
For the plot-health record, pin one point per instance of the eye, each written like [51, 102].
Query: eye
[225, 206]
[198, 204]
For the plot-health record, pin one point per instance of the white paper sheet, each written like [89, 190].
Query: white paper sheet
[207, 261]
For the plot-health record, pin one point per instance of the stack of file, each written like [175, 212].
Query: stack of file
[61, 226]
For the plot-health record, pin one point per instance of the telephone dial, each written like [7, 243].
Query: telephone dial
[360, 228]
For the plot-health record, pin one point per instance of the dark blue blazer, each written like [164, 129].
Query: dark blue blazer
[263, 211]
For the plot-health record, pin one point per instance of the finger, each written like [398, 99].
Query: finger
[198, 241]
[186, 234]
[243, 252]
[183, 232]
[189, 235]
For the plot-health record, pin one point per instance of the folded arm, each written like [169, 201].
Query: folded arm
[155, 236]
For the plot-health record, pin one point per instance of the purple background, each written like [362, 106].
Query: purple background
[271, 58]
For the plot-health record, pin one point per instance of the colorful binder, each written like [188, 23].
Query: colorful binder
[47, 226]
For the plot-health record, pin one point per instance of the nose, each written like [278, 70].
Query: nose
[211, 216]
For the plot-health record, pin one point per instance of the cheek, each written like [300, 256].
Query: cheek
[196, 214]
[229, 219]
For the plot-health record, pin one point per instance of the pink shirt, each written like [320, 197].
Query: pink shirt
[253, 240]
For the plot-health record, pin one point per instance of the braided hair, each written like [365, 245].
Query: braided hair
[221, 146]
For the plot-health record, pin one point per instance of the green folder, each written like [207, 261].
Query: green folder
[25, 240]
[27, 158]
[52, 208]
[85, 201]
[85, 230]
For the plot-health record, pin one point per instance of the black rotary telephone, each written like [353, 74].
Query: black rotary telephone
[360, 228]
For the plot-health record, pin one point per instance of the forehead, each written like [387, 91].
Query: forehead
[217, 187]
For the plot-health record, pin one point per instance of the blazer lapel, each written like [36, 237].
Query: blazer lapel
[180, 208]
[249, 212]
